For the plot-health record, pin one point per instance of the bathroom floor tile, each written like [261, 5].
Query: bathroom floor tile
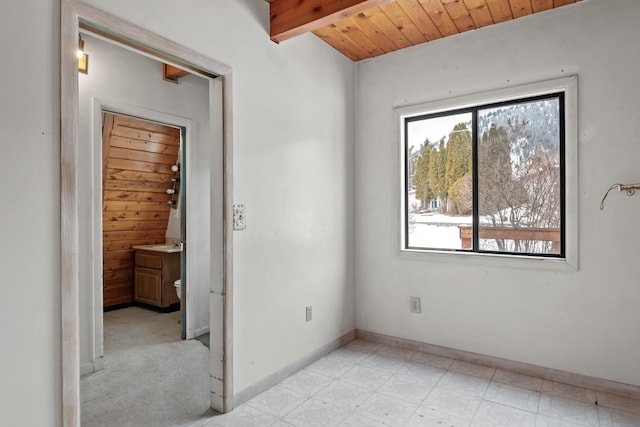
[426, 417]
[553, 388]
[351, 355]
[363, 345]
[609, 400]
[463, 383]
[396, 352]
[617, 418]
[344, 395]
[519, 398]
[569, 410]
[307, 382]
[432, 360]
[366, 377]
[472, 369]
[243, 416]
[491, 414]
[316, 413]
[452, 402]
[382, 363]
[387, 410]
[406, 387]
[277, 401]
[424, 373]
[356, 420]
[332, 366]
[546, 421]
[517, 380]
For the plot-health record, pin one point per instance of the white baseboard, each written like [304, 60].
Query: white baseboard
[273, 379]
[598, 384]
[91, 367]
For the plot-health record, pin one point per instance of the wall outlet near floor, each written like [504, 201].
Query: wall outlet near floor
[308, 313]
[414, 305]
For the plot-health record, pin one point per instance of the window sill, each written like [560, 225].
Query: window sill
[568, 264]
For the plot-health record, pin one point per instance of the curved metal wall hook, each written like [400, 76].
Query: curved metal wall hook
[629, 188]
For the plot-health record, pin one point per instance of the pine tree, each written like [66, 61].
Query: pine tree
[458, 157]
[412, 159]
[421, 180]
[437, 167]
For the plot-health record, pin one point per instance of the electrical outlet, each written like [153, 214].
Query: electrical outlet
[239, 218]
[308, 313]
[414, 305]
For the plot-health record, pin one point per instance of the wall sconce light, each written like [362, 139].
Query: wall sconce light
[83, 58]
[173, 192]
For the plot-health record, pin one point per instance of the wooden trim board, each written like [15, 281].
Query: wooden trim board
[227, 201]
[69, 246]
[598, 384]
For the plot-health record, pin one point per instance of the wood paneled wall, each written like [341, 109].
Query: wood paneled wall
[136, 173]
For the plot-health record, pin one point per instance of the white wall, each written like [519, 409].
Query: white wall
[293, 152]
[119, 77]
[29, 168]
[292, 169]
[583, 321]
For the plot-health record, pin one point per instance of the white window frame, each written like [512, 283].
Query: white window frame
[568, 85]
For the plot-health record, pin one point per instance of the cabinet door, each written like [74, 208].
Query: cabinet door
[148, 286]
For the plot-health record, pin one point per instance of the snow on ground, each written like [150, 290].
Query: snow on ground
[440, 219]
[432, 236]
[438, 231]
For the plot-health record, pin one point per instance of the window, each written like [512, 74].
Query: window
[488, 176]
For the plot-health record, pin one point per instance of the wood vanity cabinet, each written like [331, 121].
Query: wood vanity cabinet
[155, 273]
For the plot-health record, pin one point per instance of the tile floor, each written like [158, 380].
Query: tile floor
[369, 384]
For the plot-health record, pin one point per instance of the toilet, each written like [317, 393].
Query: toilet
[178, 286]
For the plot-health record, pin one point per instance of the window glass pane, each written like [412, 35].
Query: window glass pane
[519, 173]
[439, 181]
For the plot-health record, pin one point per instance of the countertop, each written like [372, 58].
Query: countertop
[167, 248]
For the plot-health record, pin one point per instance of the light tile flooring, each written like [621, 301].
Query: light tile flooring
[368, 384]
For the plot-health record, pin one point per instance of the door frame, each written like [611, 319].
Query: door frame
[75, 14]
[189, 127]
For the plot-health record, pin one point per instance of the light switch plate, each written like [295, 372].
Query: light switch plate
[239, 218]
[414, 305]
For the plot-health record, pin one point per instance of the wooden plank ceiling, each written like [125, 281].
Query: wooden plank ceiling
[362, 29]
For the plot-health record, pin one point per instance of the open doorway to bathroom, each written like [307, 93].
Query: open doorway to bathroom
[144, 260]
[146, 201]
[210, 165]
[141, 213]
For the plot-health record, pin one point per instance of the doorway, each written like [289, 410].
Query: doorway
[73, 159]
[140, 211]
[125, 107]
[143, 215]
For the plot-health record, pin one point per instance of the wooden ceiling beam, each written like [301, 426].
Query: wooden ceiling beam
[172, 74]
[290, 18]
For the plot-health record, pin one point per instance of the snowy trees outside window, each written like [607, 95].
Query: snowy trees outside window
[487, 178]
